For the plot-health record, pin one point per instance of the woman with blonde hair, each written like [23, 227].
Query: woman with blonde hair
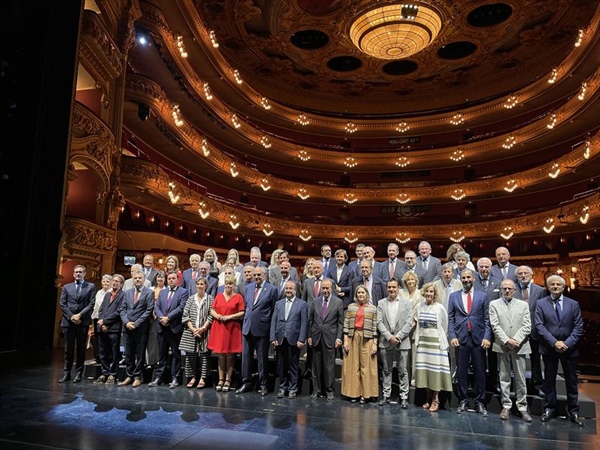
[172, 266]
[210, 256]
[359, 370]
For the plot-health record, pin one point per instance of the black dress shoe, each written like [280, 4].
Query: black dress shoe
[546, 416]
[330, 395]
[66, 377]
[353, 400]
[245, 388]
[263, 391]
[77, 378]
[574, 417]
[462, 408]
[156, 382]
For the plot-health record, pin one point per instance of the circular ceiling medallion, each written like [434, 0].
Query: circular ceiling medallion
[402, 67]
[395, 31]
[457, 50]
[309, 39]
[344, 63]
[489, 15]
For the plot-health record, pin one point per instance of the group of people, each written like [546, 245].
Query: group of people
[431, 321]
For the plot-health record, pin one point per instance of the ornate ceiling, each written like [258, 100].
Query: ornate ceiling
[269, 112]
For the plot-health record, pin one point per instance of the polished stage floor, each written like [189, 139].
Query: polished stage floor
[39, 413]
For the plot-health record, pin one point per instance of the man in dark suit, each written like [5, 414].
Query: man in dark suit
[108, 328]
[260, 298]
[341, 274]
[135, 312]
[483, 281]
[169, 310]
[327, 261]
[275, 276]
[392, 267]
[191, 273]
[531, 293]
[559, 326]
[354, 266]
[76, 304]
[325, 325]
[283, 275]
[504, 269]
[428, 265]
[246, 278]
[311, 288]
[470, 333]
[410, 265]
[150, 271]
[211, 282]
[288, 336]
[373, 283]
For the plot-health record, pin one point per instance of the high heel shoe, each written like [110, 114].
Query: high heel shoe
[226, 386]
[191, 383]
[219, 387]
[435, 406]
[426, 406]
[201, 384]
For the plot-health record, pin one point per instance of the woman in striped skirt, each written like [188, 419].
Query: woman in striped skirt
[432, 366]
[196, 321]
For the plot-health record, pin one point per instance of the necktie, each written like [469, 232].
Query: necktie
[256, 291]
[281, 286]
[326, 266]
[505, 271]
[288, 306]
[170, 298]
[525, 293]
[136, 297]
[324, 309]
[113, 295]
[317, 287]
[368, 284]
[558, 309]
[392, 268]
[425, 264]
[485, 283]
[78, 288]
[469, 304]
[194, 274]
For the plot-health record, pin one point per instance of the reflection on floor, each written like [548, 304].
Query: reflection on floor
[37, 413]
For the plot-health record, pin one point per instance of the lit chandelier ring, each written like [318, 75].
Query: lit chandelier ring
[395, 31]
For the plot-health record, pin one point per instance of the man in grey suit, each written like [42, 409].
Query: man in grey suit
[325, 325]
[429, 267]
[511, 324]
[76, 303]
[288, 336]
[391, 267]
[504, 269]
[312, 287]
[135, 312]
[394, 322]
[149, 270]
[275, 271]
[373, 283]
[281, 277]
[410, 265]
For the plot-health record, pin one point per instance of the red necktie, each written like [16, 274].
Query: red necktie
[136, 297]
[256, 291]
[317, 287]
[526, 293]
[392, 269]
[193, 275]
[469, 304]
[113, 295]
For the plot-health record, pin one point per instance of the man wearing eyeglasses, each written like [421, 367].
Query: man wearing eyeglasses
[511, 323]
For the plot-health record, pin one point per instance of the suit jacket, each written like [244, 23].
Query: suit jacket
[440, 290]
[281, 290]
[293, 329]
[151, 277]
[492, 291]
[535, 294]
[71, 303]
[496, 272]
[418, 271]
[257, 319]
[378, 290]
[212, 284]
[510, 321]
[568, 329]
[109, 312]
[399, 269]
[434, 269]
[129, 284]
[308, 288]
[354, 267]
[345, 280]
[137, 313]
[174, 312]
[188, 282]
[401, 327]
[479, 317]
[330, 328]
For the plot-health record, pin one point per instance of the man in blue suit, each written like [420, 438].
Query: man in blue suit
[341, 274]
[470, 333]
[76, 303]
[374, 284]
[135, 312]
[288, 336]
[504, 269]
[169, 310]
[190, 274]
[560, 326]
[260, 298]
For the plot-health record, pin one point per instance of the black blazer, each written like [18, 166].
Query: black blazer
[139, 313]
[109, 312]
[71, 303]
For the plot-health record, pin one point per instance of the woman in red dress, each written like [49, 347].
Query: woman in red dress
[226, 332]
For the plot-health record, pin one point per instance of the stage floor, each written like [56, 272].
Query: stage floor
[39, 413]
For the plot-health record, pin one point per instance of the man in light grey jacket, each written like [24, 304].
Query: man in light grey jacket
[394, 322]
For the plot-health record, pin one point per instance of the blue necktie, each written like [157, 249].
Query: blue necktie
[558, 309]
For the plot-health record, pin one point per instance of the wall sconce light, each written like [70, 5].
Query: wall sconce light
[509, 142]
[402, 161]
[303, 155]
[213, 38]
[350, 162]
[403, 198]
[350, 128]
[233, 170]
[403, 238]
[457, 236]
[549, 225]
[305, 236]
[233, 222]
[264, 140]
[302, 120]
[402, 127]
[264, 101]
[553, 76]
[303, 193]
[235, 121]
[350, 198]
[173, 194]
[511, 102]
[351, 237]
[458, 194]
[207, 94]
[587, 149]
[203, 210]
[552, 122]
[205, 148]
[181, 46]
[511, 185]
[457, 119]
[264, 184]
[507, 233]
[457, 155]
[585, 215]
[267, 229]
[176, 114]
[237, 77]
[554, 171]
[579, 38]
[582, 91]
